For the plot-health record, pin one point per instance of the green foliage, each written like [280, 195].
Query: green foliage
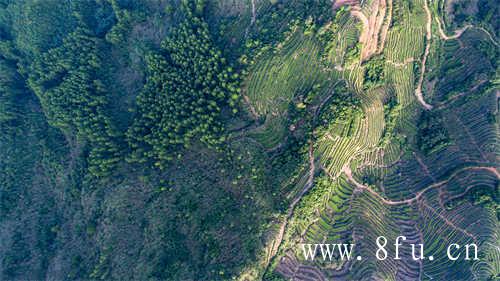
[342, 108]
[198, 232]
[66, 80]
[41, 25]
[188, 85]
[98, 16]
[118, 32]
[10, 92]
[314, 198]
[12, 261]
[466, 66]
[481, 195]
[352, 54]
[278, 17]
[392, 110]
[328, 33]
[488, 13]
[481, 12]
[273, 276]
[432, 135]
[374, 72]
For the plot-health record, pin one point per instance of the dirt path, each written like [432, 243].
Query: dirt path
[418, 90]
[363, 37]
[489, 35]
[252, 20]
[376, 22]
[445, 103]
[424, 167]
[497, 97]
[347, 170]
[459, 32]
[310, 181]
[401, 64]
[449, 223]
[279, 238]
[246, 99]
[470, 136]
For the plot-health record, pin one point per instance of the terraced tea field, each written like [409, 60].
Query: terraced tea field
[383, 172]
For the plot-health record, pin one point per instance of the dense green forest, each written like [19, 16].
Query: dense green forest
[188, 85]
[66, 80]
[207, 139]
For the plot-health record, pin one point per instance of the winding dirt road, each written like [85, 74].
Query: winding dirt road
[418, 90]
[459, 32]
[418, 195]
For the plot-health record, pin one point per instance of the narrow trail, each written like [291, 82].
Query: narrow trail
[442, 34]
[250, 107]
[385, 27]
[367, 35]
[375, 21]
[457, 32]
[467, 189]
[445, 103]
[470, 136]
[489, 35]
[347, 171]
[418, 90]
[279, 238]
[309, 184]
[401, 64]
[449, 223]
[252, 20]
[424, 167]
[363, 37]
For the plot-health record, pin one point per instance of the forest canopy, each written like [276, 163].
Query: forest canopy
[189, 83]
